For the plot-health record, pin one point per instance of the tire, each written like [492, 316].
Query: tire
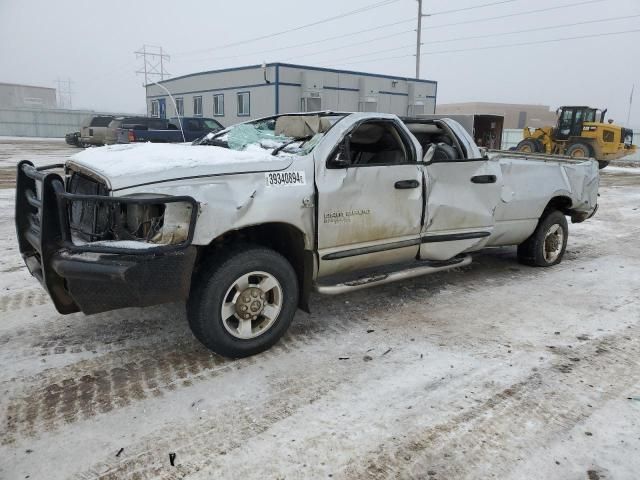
[579, 150]
[547, 244]
[254, 281]
[602, 164]
[529, 145]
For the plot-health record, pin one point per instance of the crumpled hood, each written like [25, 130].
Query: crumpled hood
[128, 165]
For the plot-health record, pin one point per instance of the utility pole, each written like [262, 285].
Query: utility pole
[630, 105]
[65, 93]
[153, 58]
[418, 39]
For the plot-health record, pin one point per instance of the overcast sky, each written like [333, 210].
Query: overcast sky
[93, 43]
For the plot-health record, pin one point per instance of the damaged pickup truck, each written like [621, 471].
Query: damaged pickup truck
[245, 223]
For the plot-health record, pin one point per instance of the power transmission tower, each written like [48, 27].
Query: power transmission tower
[153, 58]
[65, 93]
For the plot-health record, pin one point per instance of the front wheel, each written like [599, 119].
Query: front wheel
[243, 302]
[547, 244]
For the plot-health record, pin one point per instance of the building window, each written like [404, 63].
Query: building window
[244, 104]
[155, 108]
[180, 107]
[197, 106]
[218, 105]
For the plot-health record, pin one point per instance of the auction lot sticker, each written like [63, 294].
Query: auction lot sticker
[284, 179]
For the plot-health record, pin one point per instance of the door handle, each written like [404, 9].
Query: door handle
[484, 179]
[406, 184]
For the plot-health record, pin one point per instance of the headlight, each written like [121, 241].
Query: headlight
[131, 223]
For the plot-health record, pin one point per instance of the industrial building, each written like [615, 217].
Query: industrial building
[235, 95]
[515, 115]
[13, 95]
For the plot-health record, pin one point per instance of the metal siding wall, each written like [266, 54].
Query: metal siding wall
[52, 123]
[226, 83]
[20, 96]
[341, 91]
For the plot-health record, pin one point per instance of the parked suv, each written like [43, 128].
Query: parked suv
[93, 130]
[111, 135]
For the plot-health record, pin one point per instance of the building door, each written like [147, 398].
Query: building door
[162, 107]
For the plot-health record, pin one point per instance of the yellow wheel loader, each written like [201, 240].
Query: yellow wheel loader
[580, 132]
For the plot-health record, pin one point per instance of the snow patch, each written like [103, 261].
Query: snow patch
[153, 157]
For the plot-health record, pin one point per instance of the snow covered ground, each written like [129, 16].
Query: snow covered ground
[494, 371]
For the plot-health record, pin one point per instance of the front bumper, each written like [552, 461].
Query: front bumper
[92, 278]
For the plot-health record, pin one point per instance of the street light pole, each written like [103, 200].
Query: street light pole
[418, 39]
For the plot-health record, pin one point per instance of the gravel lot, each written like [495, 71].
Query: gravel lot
[494, 371]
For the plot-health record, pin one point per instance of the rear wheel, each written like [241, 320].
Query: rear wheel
[579, 150]
[243, 302]
[602, 164]
[529, 145]
[547, 244]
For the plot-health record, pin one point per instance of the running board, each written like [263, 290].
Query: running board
[388, 277]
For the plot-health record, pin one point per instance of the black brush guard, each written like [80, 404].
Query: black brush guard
[94, 278]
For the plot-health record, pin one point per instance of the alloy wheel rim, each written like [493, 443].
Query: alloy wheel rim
[553, 241]
[251, 305]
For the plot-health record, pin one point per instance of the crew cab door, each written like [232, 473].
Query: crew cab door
[369, 198]
[462, 196]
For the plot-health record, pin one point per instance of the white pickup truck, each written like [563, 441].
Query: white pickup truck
[246, 222]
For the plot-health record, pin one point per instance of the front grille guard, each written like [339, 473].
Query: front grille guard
[43, 216]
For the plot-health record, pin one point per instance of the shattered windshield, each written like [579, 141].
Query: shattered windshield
[289, 134]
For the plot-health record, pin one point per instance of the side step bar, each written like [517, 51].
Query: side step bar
[388, 277]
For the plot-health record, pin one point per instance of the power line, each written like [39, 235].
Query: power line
[295, 29]
[438, 52]
[537, 29]
[474, 37]
[322, 40]
[379, 27]
[344, 35]
[464, 9]
[342, 47]
[516, 14]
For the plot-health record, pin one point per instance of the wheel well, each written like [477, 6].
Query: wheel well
[285, 239]
[560, 203]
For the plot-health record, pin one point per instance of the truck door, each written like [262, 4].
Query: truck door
[370, 200]
[462, 196]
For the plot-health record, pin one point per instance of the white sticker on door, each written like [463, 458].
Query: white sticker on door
[284, 179]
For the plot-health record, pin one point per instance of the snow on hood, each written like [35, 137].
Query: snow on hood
[128, 165]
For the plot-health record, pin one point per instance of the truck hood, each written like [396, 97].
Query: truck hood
[129, 165]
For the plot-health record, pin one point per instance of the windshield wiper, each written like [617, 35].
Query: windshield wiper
[285, 145]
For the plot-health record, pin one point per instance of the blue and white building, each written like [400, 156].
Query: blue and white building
[235, 95]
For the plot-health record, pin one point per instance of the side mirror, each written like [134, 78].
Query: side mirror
[484, 152]
[343, 156]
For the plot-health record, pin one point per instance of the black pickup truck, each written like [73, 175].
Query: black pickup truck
[192, 127]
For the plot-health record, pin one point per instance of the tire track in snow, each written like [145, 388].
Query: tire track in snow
[528, 414]
[117, 379]
[221, 433]
[23, 299]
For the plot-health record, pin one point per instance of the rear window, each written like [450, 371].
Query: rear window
[100, 121]
[150, 123]
[212, 124]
